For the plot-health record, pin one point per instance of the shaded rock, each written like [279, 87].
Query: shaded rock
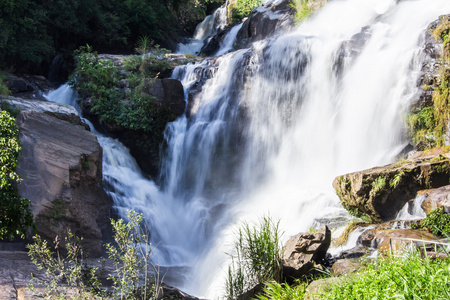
[28, 86]
[59, 71]
[381, 192]
[303, 251]
[264, 22]
[346, 266]
[61, 167]
[435, 198]
[394, 240]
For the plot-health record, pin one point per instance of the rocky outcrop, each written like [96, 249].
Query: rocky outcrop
[63, 112]
[28, 86]
[435, 198]
[346, 266]
[61, 167]
[265, 21]
[381, 192]
[304, 251]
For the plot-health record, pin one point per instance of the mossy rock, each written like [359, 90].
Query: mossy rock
[381, 192]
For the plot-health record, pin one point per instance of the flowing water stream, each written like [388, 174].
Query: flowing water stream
[272, 127]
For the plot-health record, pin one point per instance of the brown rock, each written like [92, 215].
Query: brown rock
[435, 198]
[381, 192]
[346, 266]
[303, 251]
[394, 240]
[61, 167]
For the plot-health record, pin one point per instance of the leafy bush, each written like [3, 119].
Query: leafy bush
[256, 259]
[15, 212]
[130, 255]
[239, 9]
[437, 222]
[4, 90]
[70, 269]
[99, 80]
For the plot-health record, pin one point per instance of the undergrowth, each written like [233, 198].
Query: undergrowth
[257, 258]
[437, 222]
[408, 277]
[305, 8]
[240, 9]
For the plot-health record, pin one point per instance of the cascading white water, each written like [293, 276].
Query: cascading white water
[228, 41]
[206, 29]
[275, 124]
[272, 127]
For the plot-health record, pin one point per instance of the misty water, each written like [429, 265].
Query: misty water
[270, 129]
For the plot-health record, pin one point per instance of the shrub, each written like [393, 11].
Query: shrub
[256, 259]
[437, 222]
[15, 212]
[70, 269]
[130, 255]
[305, 8]
[239, 9]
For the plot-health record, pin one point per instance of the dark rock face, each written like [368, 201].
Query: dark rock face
[28, 86]
[264, 22]
[303, 251]
[61, 167]
[381, 192]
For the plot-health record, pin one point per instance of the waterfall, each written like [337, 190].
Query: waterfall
[204, 31]
[268, 128]
[273, 125]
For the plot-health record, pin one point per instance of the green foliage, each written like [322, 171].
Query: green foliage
[34, 31]
[428, 125]
[239, 9]
[409, 277]
[437, 222]
[4, 90]
[305, 8]
[131, 256]
[70, 269]
[99, 81]
[378, 185]
[256, 259]
[15, 212]
[283, 291]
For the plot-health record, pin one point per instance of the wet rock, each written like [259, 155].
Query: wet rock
[381, 192]
[264, 22]
[394, 240]
[61, 167]
[431, 52]
[302, 252]
[63, 112]
[435, 198]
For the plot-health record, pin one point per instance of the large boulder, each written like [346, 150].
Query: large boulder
[435, 198]
[302, 252]
[61, 167]
[381, 192]
[264, 22]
